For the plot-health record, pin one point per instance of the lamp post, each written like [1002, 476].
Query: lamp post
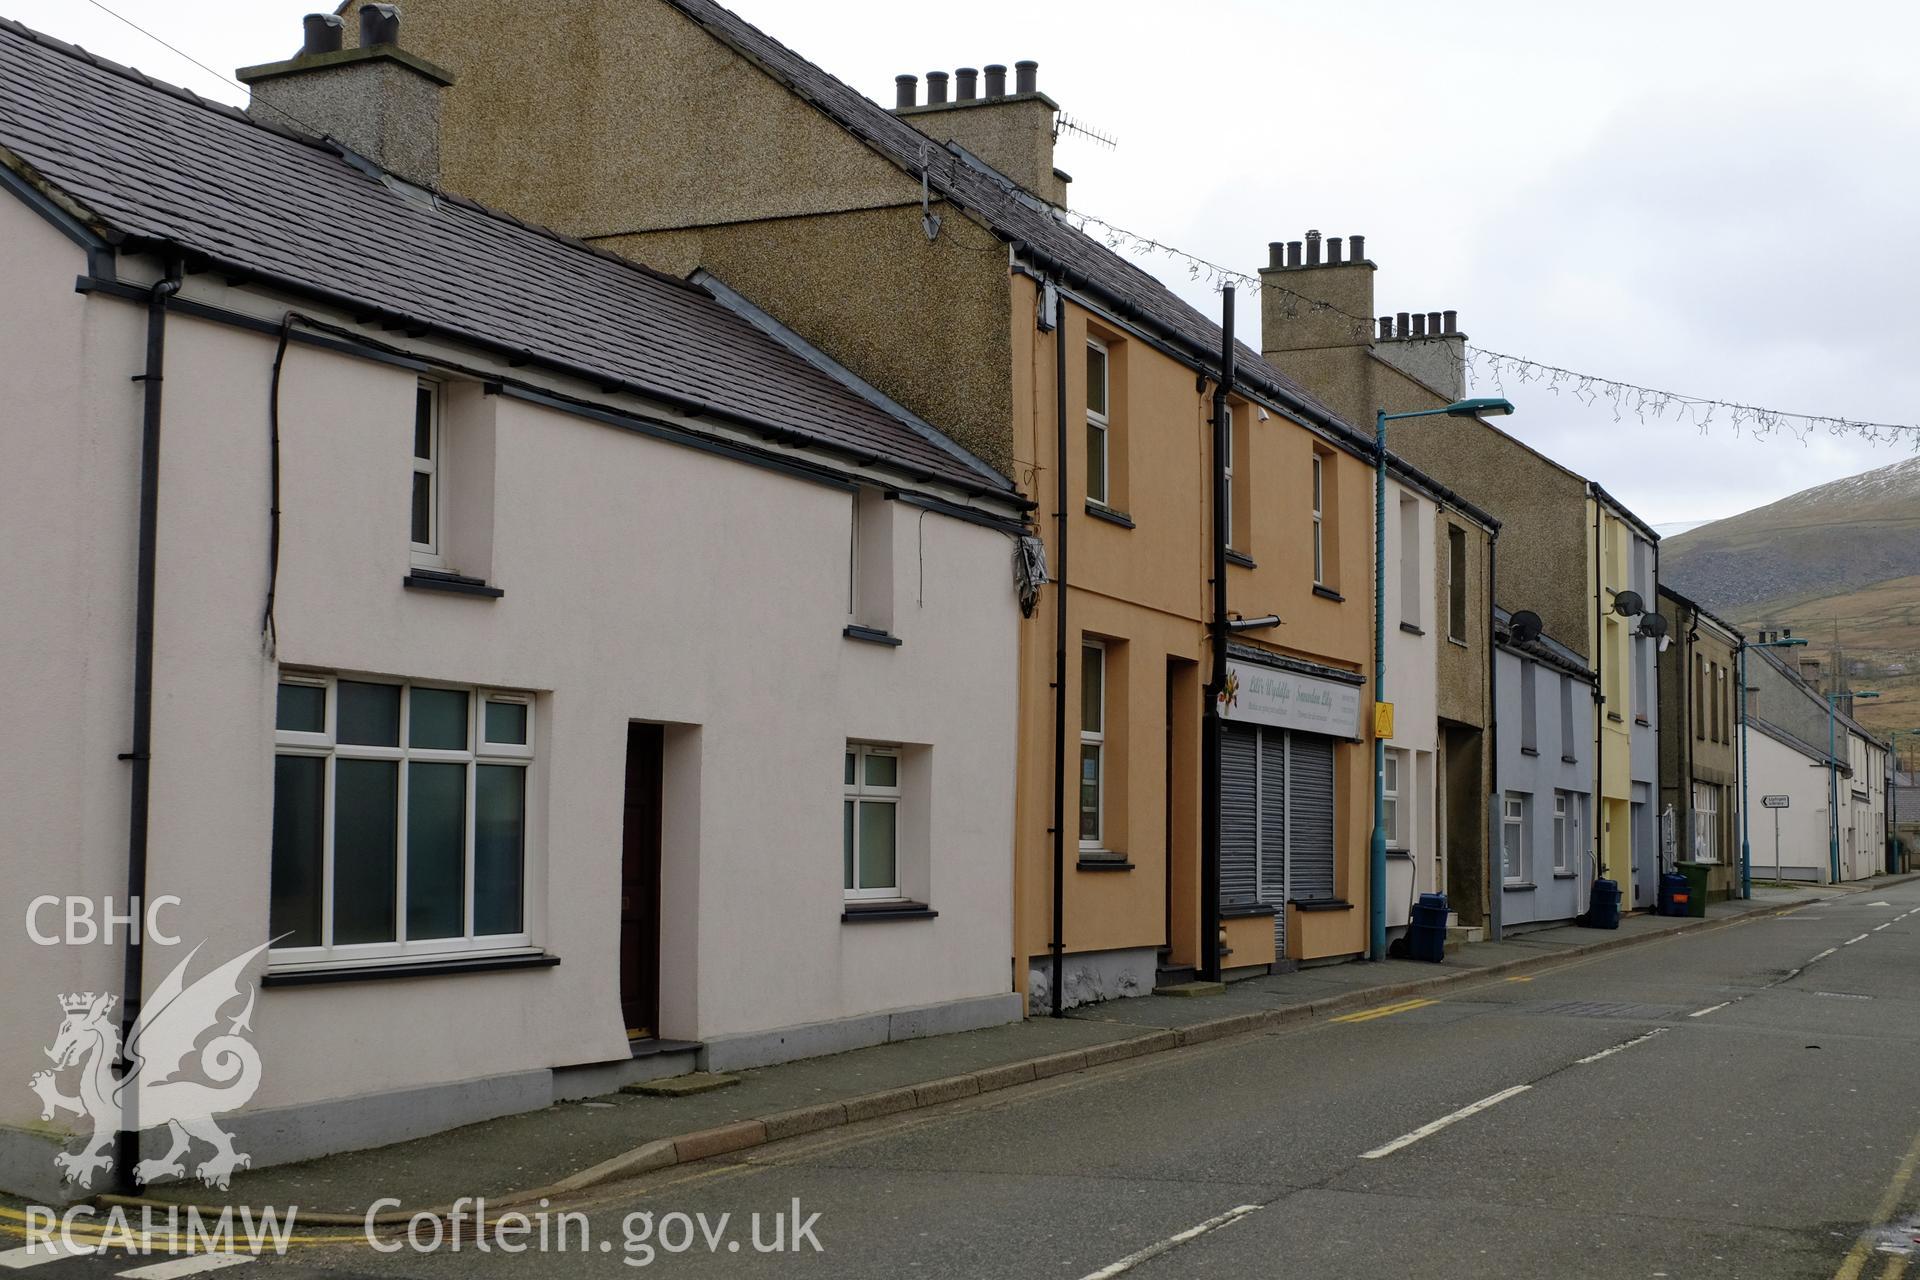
[1833, 779]
[1377, 865]
[1746, 846]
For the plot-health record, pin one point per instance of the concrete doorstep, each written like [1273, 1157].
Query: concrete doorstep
[702, 1143]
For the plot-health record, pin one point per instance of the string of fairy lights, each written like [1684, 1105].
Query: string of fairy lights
[1497, 369]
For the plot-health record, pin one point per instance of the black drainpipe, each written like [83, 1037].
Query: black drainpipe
[1210, 733]
[127, 1141]
[1600, 712]
[1060, 652]
[1496, 870]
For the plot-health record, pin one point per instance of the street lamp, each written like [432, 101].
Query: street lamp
[1746, 847]
[1833, 779]
[1491, 407]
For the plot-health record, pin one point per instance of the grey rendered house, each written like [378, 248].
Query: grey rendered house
[1545, 697]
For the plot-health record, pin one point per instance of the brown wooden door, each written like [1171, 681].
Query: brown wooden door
[640, 884]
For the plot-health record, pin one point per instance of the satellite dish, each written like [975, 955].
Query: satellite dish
[1525, 626]
[1653, 626]
[1628, 604]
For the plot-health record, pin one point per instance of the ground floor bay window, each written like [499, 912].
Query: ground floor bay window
[399, 820]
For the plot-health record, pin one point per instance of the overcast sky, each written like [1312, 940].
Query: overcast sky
[1712, 198]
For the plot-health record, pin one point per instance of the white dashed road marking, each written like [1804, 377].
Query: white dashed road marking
[1174, 1241]
[1428, 1130]
[175, 1268]
[1701, 1013]
[1625, 1044]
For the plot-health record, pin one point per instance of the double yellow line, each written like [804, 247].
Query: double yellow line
[1862, 1252]
[1384, 1011]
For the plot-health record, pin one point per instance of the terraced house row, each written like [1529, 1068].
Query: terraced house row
[597, 549]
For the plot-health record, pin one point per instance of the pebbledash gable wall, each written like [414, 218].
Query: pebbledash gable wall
[632, 593]
[628, 125]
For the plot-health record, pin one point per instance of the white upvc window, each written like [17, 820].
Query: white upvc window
[1566, 833]
[1706, 823]
[1093, 743]
[429, 439]
[1098, 436]
[399, 820]
[1319, 525]
[870, 808]
[1226, 465]
[1392, 764]
[1514, 838]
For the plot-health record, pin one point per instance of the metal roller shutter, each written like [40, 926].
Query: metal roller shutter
[1239, 839]
[1310, 818]
[1273, 831]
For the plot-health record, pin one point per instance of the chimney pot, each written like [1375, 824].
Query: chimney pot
[1357, 248]
[1386, 328]
[1419, 325]
[1026, 76]
[1313, 248]
[1402, 325]
[966, 84]
[1451, 321]
[906, 91]
[1276, 254]
[1333, 251]
[996, 80]
[936, 88]
[1293, 253]
[1433, 324]
[325, 34]
[379, 24]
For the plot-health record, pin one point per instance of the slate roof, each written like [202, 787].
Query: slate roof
[151, 164]
[1011, 211]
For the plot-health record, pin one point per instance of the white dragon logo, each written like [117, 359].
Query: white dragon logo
[163, 1043]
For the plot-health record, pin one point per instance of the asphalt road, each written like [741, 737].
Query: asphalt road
[1732, 1102]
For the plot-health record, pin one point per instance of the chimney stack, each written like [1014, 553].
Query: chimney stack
[377, 100]
[326, 33]
[379, 24]
[1337, 298]
[1014, 133]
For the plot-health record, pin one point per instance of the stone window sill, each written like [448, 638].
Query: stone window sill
[1100, 512]
[415, 967]
[1328, 593]
[872, 635]
[872, 912]
[435, 580]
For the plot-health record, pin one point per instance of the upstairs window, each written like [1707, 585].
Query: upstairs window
[1456, 583]
[428, 448]
[1529, 706]
[1319, 520]
[1410, 584]
[1099, 436]
[1226, 465]
[1567, 739]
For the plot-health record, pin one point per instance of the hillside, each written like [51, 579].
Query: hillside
[1839, 564]
[1840, 535]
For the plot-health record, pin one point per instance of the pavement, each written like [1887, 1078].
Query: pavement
[1257, 1105]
